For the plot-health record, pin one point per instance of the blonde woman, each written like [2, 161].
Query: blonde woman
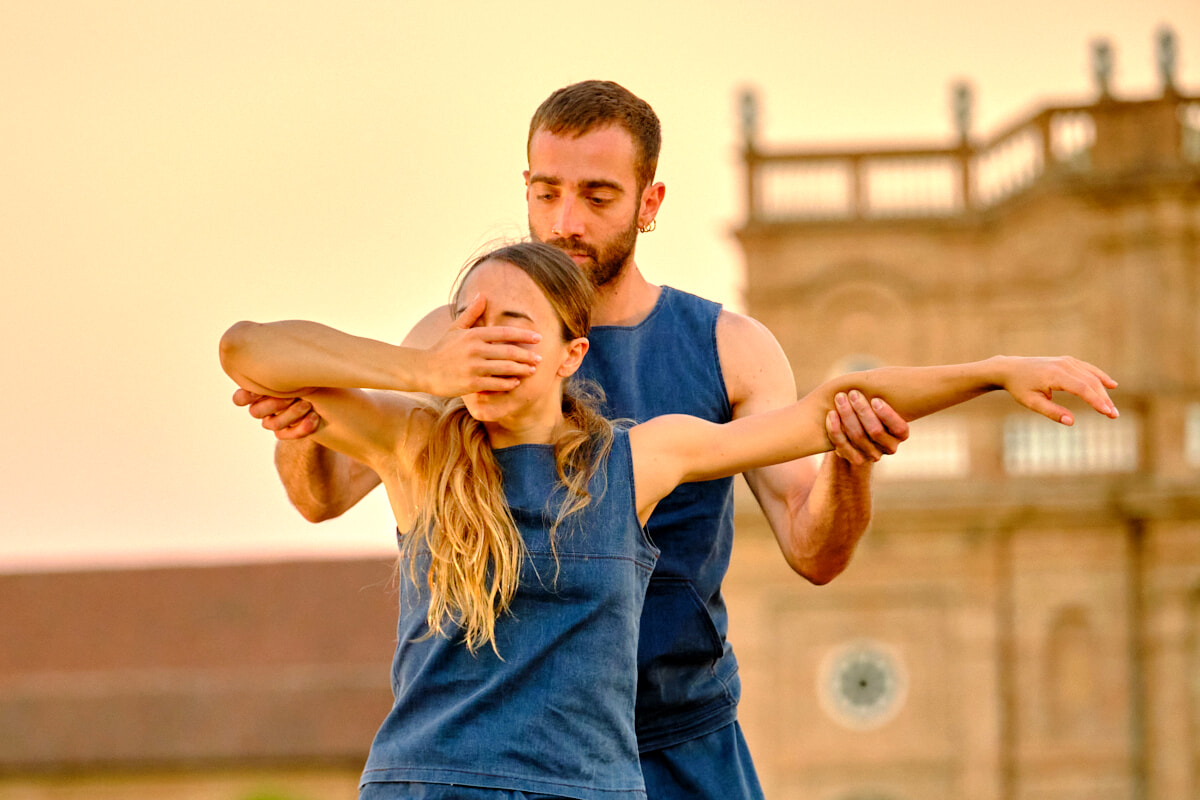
[525, 557]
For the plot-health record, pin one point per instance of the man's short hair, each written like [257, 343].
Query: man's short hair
[586, 106]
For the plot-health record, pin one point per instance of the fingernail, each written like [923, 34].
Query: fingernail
[876, 404]
[855, 395]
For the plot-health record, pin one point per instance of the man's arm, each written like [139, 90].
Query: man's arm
[818, 514]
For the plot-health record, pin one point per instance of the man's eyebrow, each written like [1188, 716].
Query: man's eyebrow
[603, 184]
[597, 183]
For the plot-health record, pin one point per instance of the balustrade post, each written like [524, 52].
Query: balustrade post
[749, 113]
[858, 189]
[962, 102]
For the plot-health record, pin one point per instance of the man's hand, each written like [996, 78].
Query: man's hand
[863, 431]
[289, 418]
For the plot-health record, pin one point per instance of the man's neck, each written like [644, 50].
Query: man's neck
[625, 300]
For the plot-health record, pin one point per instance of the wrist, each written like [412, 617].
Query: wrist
[997, 372]
[412, 370]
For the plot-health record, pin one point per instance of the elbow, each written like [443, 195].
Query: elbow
[233, 347]
[315, 513]
[821, 573]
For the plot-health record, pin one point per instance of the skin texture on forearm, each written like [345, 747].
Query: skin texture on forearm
[289, 358]
[818, 531]
[321, 483]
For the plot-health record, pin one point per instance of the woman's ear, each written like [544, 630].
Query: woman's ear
[576, 350]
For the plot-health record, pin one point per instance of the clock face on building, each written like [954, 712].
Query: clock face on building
[862, 685]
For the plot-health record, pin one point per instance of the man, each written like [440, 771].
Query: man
[592, 151]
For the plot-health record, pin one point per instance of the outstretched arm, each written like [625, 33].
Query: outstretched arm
[680, 449]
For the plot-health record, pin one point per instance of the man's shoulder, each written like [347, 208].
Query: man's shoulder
[431, 327]
[738, 330]
[752, 361]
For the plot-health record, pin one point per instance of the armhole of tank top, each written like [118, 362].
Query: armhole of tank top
[627, 456]
[720, 371]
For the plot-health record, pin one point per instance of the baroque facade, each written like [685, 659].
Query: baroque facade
[1023, 618]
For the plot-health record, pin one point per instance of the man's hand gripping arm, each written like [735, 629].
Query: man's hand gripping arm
[818, 514]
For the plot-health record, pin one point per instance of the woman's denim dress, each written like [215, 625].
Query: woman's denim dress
[554, 713]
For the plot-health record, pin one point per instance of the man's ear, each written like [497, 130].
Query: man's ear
[576, 350]
[652, 199]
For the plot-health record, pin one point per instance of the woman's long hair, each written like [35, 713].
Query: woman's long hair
[475, 549]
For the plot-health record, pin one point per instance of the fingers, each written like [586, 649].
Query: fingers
[1066, 374]
[507, 349]
[278, 414]
[306, 426]
[243, 397]
[471, 314]
[1042, 404]
[497, 383]
[264, 406]
[841, 445]
[895, 424]
[873, 429]
[505, 336]
[852, 424]
[1089, 383]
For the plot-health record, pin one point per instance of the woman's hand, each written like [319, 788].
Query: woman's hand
[479, 359]
[1033, 381]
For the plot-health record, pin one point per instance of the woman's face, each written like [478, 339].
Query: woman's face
[514, 300]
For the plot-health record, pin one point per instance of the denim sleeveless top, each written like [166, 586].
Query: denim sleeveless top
[687, 672]
[555, 716]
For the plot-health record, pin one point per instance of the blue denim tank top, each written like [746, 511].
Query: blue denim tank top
[687, 672]
[555, 716]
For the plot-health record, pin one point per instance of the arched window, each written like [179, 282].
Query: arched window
[1071, 675]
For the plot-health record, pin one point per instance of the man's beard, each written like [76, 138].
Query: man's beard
[603, 264]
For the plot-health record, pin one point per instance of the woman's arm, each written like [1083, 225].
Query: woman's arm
[289, 359]
[329, 367]
[678, 449]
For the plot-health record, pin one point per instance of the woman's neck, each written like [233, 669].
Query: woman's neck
[508, 433]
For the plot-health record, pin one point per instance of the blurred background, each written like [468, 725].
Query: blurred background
[878, 184]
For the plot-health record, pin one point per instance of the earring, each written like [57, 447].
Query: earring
[649, 226]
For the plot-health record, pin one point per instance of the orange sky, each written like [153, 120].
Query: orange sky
[167, 168]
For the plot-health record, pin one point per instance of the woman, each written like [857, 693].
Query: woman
[526, 561]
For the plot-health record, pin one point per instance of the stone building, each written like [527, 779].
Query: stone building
[1023, 619]
[229, 682]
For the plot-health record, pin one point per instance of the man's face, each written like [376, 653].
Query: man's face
[582, 197]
